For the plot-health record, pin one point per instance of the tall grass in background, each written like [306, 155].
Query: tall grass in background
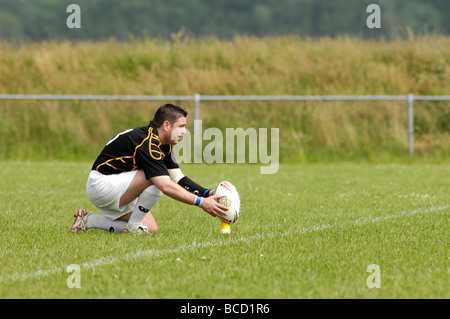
[309, 131]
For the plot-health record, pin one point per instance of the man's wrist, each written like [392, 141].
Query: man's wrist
[198, 200]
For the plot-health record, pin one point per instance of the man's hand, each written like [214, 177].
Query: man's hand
[212, 207]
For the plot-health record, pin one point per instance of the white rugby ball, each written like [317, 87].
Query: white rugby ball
[230, 198]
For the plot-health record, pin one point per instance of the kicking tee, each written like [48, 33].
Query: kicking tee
[137, 148]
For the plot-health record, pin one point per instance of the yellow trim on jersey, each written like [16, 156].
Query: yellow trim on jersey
[159, 154]
[116, 159]
[150, 130]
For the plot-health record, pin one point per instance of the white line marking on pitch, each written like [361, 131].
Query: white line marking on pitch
[194, 245]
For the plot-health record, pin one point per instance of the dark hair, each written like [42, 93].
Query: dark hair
[168, 112]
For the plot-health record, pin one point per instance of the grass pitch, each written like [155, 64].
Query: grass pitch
[309, 231]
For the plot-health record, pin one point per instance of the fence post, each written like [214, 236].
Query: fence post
[196, 106]
[197, 130]
[410, 100]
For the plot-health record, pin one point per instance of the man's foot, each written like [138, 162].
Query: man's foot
[80, 222]
[141, 229]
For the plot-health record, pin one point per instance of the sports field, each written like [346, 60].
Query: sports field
[308, 231]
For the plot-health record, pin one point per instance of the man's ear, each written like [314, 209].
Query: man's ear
[166, 125]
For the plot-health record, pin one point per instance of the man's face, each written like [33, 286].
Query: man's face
[177, 130]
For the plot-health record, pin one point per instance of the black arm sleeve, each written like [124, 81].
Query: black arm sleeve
[193, 187]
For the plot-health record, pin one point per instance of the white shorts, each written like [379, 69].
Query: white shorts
[105, 191]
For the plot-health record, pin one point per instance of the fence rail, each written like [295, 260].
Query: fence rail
[197, 98]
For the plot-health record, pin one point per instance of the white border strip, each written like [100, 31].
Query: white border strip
[222, 242]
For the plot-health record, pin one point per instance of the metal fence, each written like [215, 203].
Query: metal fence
[197, 98]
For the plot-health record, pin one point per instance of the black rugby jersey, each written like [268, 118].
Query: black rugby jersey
[138, 148]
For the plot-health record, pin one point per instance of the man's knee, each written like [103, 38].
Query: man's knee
[152, 190]
[150, 222]
[153, 228]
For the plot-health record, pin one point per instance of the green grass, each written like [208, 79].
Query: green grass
[309, 231]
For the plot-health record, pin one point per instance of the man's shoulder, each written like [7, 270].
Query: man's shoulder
[155, 148]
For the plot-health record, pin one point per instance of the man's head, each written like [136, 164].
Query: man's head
[170, 121]
[168, 112]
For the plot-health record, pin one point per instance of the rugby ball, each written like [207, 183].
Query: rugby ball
[230, 198]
